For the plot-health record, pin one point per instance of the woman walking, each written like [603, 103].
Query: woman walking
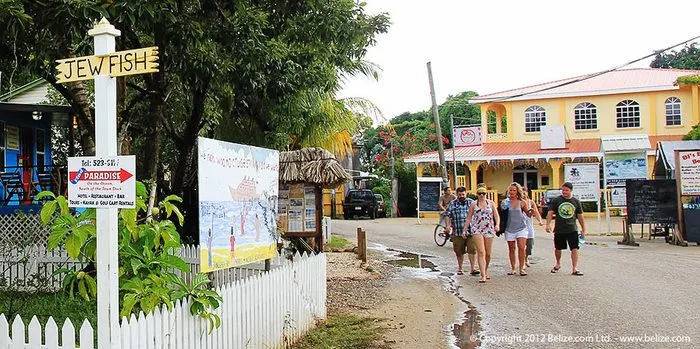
[484, 221]
[531, 226]
[516, 230]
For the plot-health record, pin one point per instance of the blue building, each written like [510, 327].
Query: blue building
[26, 159]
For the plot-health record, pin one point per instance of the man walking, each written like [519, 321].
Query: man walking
[462, 242]
[444, 201]
[568, 210]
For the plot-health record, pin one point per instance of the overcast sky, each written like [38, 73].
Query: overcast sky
[493, 45]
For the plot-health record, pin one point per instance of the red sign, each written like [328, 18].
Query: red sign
[84, 175]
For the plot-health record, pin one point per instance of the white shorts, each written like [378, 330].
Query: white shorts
[521, 234]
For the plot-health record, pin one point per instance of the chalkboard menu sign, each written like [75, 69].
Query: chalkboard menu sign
[652, 201]
[429, 195]
[691, 218]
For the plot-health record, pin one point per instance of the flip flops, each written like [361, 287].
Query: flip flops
[577, 273]
[511, 273]
[475, 272]
[523, 273]
[459, 272]
[555, 269]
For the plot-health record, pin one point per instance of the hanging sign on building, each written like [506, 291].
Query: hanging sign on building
[586, 180]
[467, 136]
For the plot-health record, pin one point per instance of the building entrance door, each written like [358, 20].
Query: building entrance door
[526, 176]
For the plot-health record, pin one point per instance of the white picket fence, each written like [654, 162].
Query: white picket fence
[31, 268]
[270, 310]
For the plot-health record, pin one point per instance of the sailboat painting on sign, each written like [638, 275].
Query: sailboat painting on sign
[552, 137]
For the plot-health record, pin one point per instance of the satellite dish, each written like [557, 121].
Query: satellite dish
[552, 137]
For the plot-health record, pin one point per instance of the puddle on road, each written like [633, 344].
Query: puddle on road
[466, 331]
[413, 260]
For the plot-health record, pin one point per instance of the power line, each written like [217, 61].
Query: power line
[590, 76]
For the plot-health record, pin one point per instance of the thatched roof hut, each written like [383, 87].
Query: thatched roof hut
[311, 165]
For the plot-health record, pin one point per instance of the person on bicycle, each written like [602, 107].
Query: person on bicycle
[462, 241]
[484, 222]
[445, 200]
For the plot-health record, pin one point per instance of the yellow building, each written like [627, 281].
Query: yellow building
[625, 111]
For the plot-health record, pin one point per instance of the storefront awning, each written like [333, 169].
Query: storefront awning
[625, 144]
[665, 151]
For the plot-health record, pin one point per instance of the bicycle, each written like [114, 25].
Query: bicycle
[439, 234]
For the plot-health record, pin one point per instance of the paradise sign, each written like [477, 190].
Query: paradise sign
[238, 189]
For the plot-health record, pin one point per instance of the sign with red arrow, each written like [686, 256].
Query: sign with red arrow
[102, 182]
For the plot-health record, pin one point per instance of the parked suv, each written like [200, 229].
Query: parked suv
[546, 199]
[381, 205]
[360, 202]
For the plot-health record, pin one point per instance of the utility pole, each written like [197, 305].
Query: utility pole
[394, 186]
[454, 163]
[438, 131]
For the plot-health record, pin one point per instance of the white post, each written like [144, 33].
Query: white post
[106, 145]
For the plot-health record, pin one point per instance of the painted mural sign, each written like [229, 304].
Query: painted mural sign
[620, 167]
[238, 193]
[689, 172]
[586, 180]
[467, 136]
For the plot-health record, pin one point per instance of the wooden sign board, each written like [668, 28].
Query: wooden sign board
[131, 62]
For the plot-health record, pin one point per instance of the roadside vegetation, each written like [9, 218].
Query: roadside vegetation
[345, 331]
[337, 242]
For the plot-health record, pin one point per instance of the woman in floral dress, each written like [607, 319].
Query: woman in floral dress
[484, 221]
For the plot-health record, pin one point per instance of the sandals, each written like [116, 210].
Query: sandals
[511, 272]
[555, 269]
[459, 272]
[577, 273]
[481, 281]
[475, 272]
[523, 273]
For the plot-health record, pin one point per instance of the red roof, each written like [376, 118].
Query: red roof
[526, 150]
[513, 150]
[619, 81]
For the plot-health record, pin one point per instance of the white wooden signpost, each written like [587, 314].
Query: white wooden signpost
[103, 67]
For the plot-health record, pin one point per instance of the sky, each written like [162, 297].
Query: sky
[494, 45]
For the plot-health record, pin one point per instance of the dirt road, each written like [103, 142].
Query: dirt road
[646, 295]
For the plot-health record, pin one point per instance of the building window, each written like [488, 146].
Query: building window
[544, 180]
[628, 114]
[40, 150]
[673, 111]
[535, 118]
[585, 116]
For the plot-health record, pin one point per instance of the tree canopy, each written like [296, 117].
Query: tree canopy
[687, 58]
[252, 71]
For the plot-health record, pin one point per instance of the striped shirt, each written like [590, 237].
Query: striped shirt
[457, 212]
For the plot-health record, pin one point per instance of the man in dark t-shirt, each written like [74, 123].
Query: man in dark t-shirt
[567, 210]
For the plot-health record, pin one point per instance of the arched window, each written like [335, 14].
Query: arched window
[585, 116]
[535, 118]
[628, 114]
[673, 111]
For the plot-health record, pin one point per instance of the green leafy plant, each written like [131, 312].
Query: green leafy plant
[147, 263]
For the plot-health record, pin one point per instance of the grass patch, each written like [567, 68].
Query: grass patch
[337, 242]
[43, 305]
[344, 331]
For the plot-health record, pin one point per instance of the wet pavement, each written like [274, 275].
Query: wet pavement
[645, 295]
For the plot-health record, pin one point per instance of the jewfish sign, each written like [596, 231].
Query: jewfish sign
[131, 62]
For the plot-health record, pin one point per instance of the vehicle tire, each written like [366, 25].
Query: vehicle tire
[440, 236]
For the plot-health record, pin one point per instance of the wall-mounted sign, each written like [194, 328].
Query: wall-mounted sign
[12, 138]
[689, 172]
[620, 167]
[586, 180]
